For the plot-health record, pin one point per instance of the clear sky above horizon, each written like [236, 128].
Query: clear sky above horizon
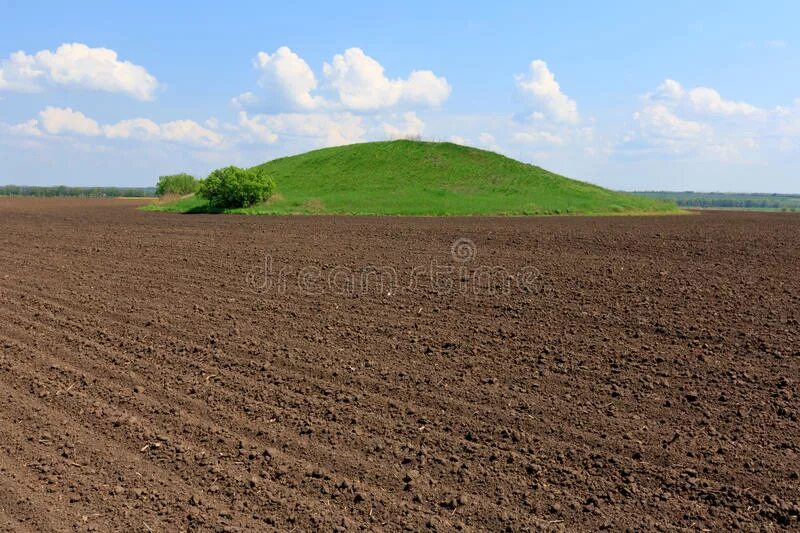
[669, 96]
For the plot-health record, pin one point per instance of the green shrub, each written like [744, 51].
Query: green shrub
[181, 184]
[232, 187]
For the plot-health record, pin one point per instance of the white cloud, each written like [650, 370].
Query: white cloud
[244, 100]
[136, 128]
[659, 130]
[29, 128]
[552, 126]
[707, 100]
[326, 129]
[700, 124]
[701, 100]
[361, 84]
[56, 120]
[288, 80]
[787, 111]
[537, 137]
[185, 131]
[658, 121]
[76, 65]
[189, 131]
[457, 139]
[423, 87]
[486, 138]
[352, 80]
[776, 43]
[254, 130]
[19, 73]
[668, 90]
[489, 142]
[332, 129]
[541, 85]
[66, 121]
[411, 127]
[340, 106]
[786, 126]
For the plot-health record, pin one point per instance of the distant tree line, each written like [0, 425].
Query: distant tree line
[788, 202]
[85, 192]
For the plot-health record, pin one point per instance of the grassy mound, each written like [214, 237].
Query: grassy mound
[424, 178]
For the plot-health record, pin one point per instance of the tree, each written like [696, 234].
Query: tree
[180, 184]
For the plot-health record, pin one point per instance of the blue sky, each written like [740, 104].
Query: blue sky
[678, 95]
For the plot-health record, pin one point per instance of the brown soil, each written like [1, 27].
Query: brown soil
[644, 374]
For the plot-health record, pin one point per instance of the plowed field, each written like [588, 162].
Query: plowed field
[164, 372]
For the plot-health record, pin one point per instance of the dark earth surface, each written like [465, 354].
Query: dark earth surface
[164, 372]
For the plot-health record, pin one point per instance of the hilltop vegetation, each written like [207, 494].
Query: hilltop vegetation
[424, 178]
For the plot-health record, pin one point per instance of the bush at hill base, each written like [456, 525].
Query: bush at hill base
[233, 187]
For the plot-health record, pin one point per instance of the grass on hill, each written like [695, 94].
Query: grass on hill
[424, 178]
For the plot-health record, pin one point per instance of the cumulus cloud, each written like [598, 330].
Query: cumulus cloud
[410, 127]
[537, 137]
[707, 100]
[29, 128]
[66, 121]
[287, 79]
[19, 73]
[76, 65]
[700, 123]
[326, 129]
[788, 118]
[423, 87]
[135, 128]
[339, 106]
[56, 120]
[189, 131]
[352, 81]
[332, 129]
[244, 100]
[186, 131]
[488, 141]
[254, 130]
[541, 85]
[659, 121]
[784, 128]
[486, 138]
[701, 100]
[361, 84]
[659, 130]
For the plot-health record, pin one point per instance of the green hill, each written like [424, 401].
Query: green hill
[426, 178]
